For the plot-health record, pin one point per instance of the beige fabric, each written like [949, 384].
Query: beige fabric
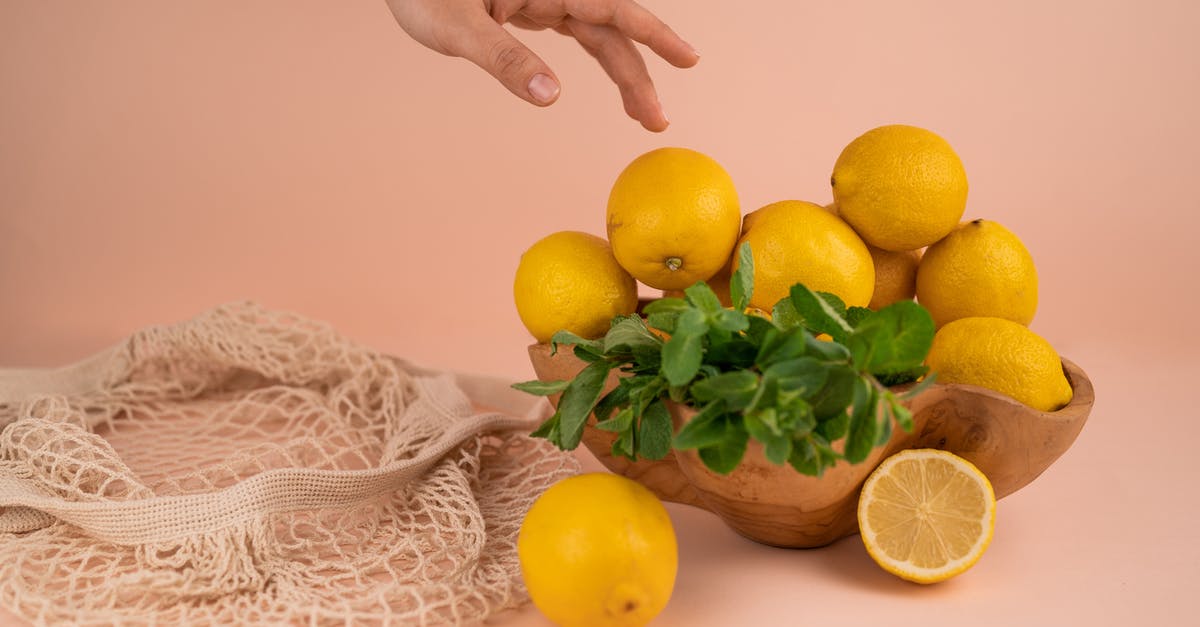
[254, 467]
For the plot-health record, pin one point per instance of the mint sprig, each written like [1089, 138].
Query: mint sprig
[747, 377]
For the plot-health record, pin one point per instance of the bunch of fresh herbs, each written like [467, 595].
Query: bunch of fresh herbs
[747, 376]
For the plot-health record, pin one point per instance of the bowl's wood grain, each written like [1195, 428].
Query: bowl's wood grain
[1010, 442]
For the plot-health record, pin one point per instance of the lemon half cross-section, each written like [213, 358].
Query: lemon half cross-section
[926, 515]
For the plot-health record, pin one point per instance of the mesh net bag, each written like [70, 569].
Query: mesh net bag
[251, 466]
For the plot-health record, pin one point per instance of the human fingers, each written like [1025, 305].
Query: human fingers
[625, 66]
[637, 23]
[488, 45]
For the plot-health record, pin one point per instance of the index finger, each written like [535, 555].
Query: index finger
[638, 24]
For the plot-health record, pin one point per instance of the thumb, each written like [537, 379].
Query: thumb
[488, 45]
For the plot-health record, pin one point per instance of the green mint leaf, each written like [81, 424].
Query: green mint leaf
[804, 458]
[735, 388]
[654, 432]
[889, 379]
[682, 354]
[863, 423]
[666, 305]
[797, 418]
[577, 402]
[566, 337]
[828, 456]
[785, 316]
[828, 351]
[855, 315]
[722, 458]
[730, 320]
[741, 284]
[835, 427]
[758, 427]
[835, 302]
[623, 446]
[702, 297]
[781, 346]
[541, 388]
[913, 391]
[903, 415]
[821, 312]
[706, 428]
[621, 422]
[757, 328]
[692, 322]
[628, 333]
[663, 320]
[617, 397]
[836, 394]
[884, 430]
[803, 375]
[914, 331]
[778, 449]
[895, 339]
[548, 429]
[737, 354]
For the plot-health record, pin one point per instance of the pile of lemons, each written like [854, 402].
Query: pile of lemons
[893, 231]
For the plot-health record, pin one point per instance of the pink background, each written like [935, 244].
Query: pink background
[160, 158]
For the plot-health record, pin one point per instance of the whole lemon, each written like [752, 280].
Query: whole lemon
[793, 241]
[900, 187]
[673, 217]
[895, 275]
[1000, 355]
[981, 269]
[571, 281]
[598, 549]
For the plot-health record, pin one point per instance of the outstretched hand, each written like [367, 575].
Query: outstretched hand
[607, 29]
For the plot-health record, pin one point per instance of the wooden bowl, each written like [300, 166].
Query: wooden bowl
[1010, 442]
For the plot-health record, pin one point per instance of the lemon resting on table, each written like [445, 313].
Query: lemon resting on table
[926, 515]
[598, 549]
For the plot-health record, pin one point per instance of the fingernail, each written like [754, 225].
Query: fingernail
[543, 88]
[693, 48]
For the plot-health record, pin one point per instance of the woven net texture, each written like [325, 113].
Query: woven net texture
[254, 467]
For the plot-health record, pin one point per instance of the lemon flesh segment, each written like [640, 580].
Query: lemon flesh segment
[926, 515]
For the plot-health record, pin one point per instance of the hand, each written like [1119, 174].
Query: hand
[605, 28]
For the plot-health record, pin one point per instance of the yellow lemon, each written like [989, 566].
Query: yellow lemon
[598, 549]
[900, 187]
[1000, 355]
[895, 272]
[895, 276]
[926, 515]
[673, 217]
[571, 281]
[800, 242]
[981, 269]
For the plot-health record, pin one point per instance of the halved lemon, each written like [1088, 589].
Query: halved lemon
[926, 515]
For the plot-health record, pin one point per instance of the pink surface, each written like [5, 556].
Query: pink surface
[159, 158]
